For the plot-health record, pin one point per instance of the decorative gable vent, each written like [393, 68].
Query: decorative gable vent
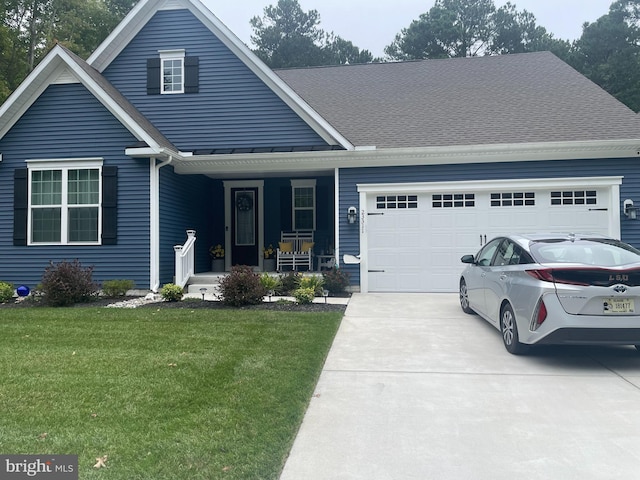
[66, 76]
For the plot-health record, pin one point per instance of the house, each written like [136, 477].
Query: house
[173, 125]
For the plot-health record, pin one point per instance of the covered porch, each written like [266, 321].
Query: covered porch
[246, 221]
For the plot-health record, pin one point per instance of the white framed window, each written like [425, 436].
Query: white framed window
[64, 202]
[303, 194]
[172, 71]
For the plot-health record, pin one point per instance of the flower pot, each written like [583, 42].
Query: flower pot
[217, 265]
[269, 264]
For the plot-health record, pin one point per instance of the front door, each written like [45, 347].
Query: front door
[244, 226]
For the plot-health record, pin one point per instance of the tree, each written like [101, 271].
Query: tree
[608, 52]
[466, 28]
[286, 36]
[30, 28]
[451, 28]
[517, 32]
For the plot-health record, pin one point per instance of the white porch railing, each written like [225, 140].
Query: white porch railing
[185, 259]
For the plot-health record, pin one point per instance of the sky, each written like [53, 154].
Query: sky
[373, 24]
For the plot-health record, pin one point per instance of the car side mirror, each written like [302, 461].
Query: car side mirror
[468, 259]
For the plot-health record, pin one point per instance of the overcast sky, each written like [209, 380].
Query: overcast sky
[372, 24]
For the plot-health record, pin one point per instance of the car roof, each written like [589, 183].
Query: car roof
[525, 239]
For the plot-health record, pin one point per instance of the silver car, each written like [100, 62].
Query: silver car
[555, 289]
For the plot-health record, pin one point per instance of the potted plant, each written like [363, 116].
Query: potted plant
[269, 254]
[217, 258]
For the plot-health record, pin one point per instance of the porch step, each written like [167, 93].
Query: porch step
[208, 280]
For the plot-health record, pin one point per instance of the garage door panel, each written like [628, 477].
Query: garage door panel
[419, 249]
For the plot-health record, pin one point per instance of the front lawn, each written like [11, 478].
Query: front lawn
[163, 393]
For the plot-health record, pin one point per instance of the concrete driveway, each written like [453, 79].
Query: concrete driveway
[415, 389]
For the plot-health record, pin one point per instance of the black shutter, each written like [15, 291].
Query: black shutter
[109, 205]
[191, 74]
[323, 202]
[153, 76]
[285, 209]
[20, 205]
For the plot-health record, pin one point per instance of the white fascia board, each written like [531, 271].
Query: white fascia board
[220, 165]
[140, 15]
[120, 37]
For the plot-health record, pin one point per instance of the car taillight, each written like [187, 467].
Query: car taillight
[548, 275]
[539, 315]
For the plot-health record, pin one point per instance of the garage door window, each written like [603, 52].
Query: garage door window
[453, 200]
[578, 197]
[513, 199]
[396, 201]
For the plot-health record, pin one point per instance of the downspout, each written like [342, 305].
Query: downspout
[154, 217]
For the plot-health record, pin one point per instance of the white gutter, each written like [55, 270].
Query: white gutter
[154, 221]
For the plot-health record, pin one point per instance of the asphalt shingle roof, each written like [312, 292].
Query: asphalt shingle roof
[532, 97]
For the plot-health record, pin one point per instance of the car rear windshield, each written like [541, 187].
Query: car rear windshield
[599, 252]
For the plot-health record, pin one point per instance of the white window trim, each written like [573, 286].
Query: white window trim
[166, 55]
[65, 165]
[306, 183]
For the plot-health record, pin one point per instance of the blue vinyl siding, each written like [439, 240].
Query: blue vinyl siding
[233, 108]
[67, 122]
[349, 178]
[188, 202]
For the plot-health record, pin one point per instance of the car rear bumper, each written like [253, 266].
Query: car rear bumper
[592, 336]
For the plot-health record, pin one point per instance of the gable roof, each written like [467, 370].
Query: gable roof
[507, 99]
[146, 9]
[57, 66]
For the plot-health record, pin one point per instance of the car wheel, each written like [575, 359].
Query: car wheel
[509, 330]
[464, 298]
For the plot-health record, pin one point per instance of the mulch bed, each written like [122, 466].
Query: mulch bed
[193, 304]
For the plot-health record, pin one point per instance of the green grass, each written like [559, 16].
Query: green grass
[165, 394]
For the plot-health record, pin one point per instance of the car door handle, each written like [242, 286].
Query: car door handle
[503, 277]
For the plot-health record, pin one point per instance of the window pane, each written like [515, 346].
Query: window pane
[172, 75]
[304, 219]
[303, 197]
[83, 224]
[46, 187]
[84, 187]
[45, 225]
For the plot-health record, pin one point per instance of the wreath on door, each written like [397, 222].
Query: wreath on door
[244, 202]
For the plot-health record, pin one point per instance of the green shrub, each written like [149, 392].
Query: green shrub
[335, 280]
[6, 292]
[241, 287]
[171, 292]
[269, 282]
[288, 282]
[304, 295]
[313, 282]
[66, 283]
[117, 288]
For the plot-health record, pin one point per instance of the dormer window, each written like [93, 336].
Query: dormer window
[172, 72]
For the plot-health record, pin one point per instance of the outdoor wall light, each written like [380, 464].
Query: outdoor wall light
[629, 210]
[352, 215]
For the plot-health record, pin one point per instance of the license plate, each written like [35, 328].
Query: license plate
[619, 305]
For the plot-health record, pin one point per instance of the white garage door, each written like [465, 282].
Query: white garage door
[414, 240]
